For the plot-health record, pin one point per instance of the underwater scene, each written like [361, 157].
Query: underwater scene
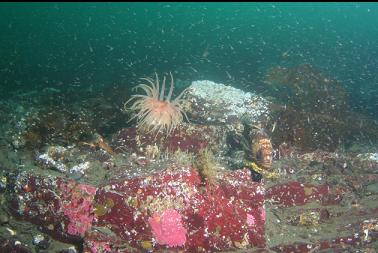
[188, 127]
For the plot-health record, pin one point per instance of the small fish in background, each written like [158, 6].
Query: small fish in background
[229, 75]
[89, 21]
[90, 47]
[196, 71]
[205, 53]
[286, 54]
[274, 126]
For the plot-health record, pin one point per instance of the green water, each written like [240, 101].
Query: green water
[75, 45]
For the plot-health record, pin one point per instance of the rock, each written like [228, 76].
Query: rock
[311, 112]
[296, 194]
[60, 208]
[131, 214]
[305, 88]
[41, 242]
[372, 188]
[4, 218]
[326, 203]
[223, 216]
[369, 156]
[215, 103]
[3, 183]
[10, 245]
[187, 138]
[214, 217]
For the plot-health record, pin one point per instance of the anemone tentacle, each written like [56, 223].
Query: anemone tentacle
[154, 111]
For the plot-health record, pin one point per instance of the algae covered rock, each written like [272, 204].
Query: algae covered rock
[215, 103]
[311, 110]
[134, 214]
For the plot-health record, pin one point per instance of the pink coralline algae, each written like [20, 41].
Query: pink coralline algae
[263, 213]
[251, 221]
[252, 218]
[168, 228]
[79, 208]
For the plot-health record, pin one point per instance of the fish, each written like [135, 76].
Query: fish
[261, 148]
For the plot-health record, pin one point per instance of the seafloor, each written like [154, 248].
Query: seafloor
[76, 177]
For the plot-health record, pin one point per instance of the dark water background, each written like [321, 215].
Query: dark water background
[70, 46]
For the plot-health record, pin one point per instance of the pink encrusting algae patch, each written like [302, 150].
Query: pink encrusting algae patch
[251, 221]
[262, 213]
[168, 228]
[78, 207]
[259, 215]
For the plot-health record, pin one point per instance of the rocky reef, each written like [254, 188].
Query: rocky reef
[246, 174]
[310, 111]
